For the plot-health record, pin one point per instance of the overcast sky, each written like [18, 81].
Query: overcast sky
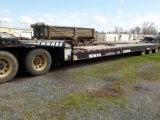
[100, 14]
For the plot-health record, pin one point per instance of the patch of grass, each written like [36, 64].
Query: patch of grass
[121, 101]
[46, 111]
[121, 71]
[87, 101]
[157, 117]
[76, 101]
[6, 108]
[149, 72]
[6, 96]
[98, 71]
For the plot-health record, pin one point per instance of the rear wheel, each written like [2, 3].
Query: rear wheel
[38, 62]
[8, 66]
[150, 52]
[156, 50]
[143, 52]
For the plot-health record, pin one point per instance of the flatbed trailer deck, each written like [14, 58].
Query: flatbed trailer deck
[37, 56]
[88, 52]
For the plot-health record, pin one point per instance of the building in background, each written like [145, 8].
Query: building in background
[25, 33]
[7, 30]
[107, 37]
[113, 37]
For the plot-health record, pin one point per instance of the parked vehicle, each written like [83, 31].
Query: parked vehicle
[151, 40]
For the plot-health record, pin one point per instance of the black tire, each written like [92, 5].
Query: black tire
[156, 50]
[143, 52]
[8, 66]
[38, 62]
[149, 51]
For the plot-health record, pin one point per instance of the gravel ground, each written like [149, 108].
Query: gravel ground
[63, 94]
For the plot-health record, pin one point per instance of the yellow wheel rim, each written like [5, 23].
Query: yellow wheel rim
[5, 67]
[39, 62]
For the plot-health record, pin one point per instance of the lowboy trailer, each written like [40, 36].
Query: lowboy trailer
[37, 56]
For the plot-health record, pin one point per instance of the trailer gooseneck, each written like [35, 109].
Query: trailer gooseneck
[37, 56]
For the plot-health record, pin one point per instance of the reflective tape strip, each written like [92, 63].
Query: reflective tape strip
[53, 44]
[48, 44]
[57, 44]
[43, 43]
[33, 43]
[95, 55]
[60, 44]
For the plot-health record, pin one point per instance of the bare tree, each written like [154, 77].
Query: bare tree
[137, 30]
[126, 32]
[132, 31]
[118, 29]
[145, 28]
[153, 31]
[149, 28]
